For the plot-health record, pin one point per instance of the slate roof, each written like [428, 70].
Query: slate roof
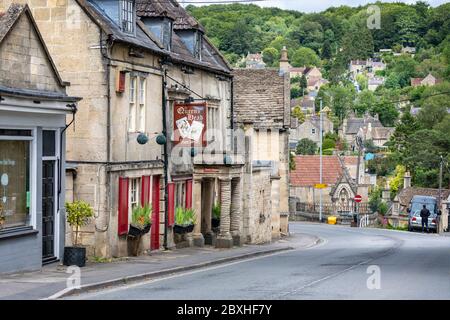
[183, 20]
[307, 171]
[354, 124]
[212, 59]
[405, 195]
[8, 18]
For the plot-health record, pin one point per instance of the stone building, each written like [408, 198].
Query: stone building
[33, 109]
[135, 64]
[338, 173]
[368, 127]
[262, 111]
[429, 80]
[203, 170]
[310, 129]
[254, 61]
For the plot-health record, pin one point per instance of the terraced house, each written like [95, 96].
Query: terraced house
[144, 68]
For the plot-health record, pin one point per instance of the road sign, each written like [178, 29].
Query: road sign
[358, 198]
[320, 186]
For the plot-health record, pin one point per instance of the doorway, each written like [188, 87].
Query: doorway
[48, 211]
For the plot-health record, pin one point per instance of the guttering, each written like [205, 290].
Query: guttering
[166, 160]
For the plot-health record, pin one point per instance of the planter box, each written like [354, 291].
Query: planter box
[135, 231]
[183, 229]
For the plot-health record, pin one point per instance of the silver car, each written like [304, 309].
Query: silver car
[415, 221]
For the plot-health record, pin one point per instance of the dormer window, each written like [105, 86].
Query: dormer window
[192, 39]
[162, 28]
[127, 16]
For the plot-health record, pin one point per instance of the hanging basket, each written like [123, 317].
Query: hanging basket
[215, 223]
[135, 231]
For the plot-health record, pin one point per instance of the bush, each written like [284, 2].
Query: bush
[78, 215]
[184, 217]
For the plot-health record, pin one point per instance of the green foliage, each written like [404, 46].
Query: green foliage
[306, 147]
[216, 211]
[298, 113]
[397, 181]
[305, 57]
[375, 199]
[328, 143]
[184, 217]
[141, 216]
[328, 152]
[292, 164]
[271, 56]
[78, 215]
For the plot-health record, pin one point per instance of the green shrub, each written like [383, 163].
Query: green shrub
[78, 215]
[216, 211]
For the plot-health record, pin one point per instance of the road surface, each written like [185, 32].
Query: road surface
[349, 263]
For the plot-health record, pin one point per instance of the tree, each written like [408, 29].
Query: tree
[305, 57]
[357, 43]
[271, 56]
[303, 82]
[364, 102]
[396, 182]
[326, 50]
[306, 147]
[297, 113]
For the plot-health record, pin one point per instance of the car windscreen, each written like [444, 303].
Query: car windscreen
[416, 207]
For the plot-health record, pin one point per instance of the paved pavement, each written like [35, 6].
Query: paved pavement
[52, 280]
[346, 265]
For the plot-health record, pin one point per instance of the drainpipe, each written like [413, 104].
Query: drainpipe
[165, 158]
[60, 164]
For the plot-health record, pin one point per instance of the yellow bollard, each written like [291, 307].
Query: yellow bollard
[331, 220]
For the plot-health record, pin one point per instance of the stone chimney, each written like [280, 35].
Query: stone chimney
[407, 180]
[284, 61]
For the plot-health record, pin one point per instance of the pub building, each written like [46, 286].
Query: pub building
[33, 110]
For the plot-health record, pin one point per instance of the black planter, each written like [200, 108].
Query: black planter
[136, 231]
[74, 256]
[181, 229]
[146, 228]
[215, 223]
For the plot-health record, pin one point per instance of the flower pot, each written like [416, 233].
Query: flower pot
[181, 229]
[215, 223]
[74, 256]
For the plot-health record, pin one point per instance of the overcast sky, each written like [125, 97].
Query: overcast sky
[320, 5]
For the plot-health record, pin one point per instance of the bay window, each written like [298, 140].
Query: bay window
[15, 196]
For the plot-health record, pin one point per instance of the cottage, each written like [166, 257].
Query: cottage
[374, 82]
[254, 61]
[310, 129]
[368, 127]
[429, 80]
[33, 109]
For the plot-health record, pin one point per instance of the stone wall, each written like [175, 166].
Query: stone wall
[23, 61]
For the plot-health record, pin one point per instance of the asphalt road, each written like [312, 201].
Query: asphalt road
[350, 263]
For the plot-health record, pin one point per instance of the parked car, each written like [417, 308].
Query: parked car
[416, 205]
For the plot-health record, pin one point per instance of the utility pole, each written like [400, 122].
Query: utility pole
[321, 190]
[440, 194]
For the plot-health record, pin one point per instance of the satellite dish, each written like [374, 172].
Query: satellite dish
[4, 180]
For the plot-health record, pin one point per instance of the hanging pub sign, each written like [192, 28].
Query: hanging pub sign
[189, 124]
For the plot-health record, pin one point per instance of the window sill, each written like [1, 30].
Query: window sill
[17, 232]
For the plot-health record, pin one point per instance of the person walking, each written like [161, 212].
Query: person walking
[424, 214]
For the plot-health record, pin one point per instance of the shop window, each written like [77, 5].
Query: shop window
[14, 183]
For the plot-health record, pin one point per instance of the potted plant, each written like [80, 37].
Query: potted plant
[184, 220]
[78, 215]
[215, 220]
[140, 225]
